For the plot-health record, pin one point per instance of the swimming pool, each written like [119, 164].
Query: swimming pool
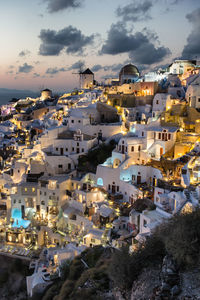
[18, 220]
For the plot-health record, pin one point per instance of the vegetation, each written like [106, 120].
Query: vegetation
[77, 275]
[142, 204]
[98, 269]
[181, 236]
[125, 267]
[95, 156]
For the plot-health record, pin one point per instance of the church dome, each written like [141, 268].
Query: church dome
[128, 72]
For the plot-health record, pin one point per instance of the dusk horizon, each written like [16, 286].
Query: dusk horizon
[100, 35]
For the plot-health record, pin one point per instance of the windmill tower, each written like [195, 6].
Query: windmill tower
[79, 72]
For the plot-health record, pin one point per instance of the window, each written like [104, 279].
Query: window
[42, 202]
[40, 192]
[60, 166]
[139, 148]
[169, 136]
[142, 133]
[157, 101]
[145, 223]
[66, 149]
[92, 240]
[77, 144]
[82, 149]
[117, 188]
[132, 148]
[25, 189]
[56, 149]
[72, 148]
[100, 181]
[14, 201]
[159, 135]
[198, 99]
[57, 186]
[33, 190]
[109, 186]
[20, 200]
[79, 121]
[126, 149]
[72, 121]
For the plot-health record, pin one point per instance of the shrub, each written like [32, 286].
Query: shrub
[66, 290]
[76, 269]
[64, 270]
[92, 255]
[125, 268]
[181, 236]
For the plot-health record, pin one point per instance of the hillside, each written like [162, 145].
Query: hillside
[165, 267]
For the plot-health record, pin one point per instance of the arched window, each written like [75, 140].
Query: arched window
[100, 181]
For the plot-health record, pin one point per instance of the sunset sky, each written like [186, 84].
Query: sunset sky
[43, 42]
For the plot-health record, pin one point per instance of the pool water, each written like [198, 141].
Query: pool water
[18, 220]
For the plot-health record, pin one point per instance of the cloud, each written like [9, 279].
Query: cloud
[69, 38]
[53, 71]
[135, 11]
[58, 5]
[114, 67]
[140, 46]
[119, 40]
[97, 68]
[24, 53]
[79, 65]
[148, 54]
[25, 68]
[192, 47]
[36, 75]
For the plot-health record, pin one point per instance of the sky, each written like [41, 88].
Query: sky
[45, 42]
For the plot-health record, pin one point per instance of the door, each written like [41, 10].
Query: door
[113, 189]
[23, 211]
[138, 179]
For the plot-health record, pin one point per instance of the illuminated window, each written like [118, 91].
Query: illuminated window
[100, 181]
[25, 189]
[33, 189]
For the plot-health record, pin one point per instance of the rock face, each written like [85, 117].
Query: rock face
[167, 283]
[170, 281]
[143, 286]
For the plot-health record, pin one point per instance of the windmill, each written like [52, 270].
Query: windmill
[80, 66]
